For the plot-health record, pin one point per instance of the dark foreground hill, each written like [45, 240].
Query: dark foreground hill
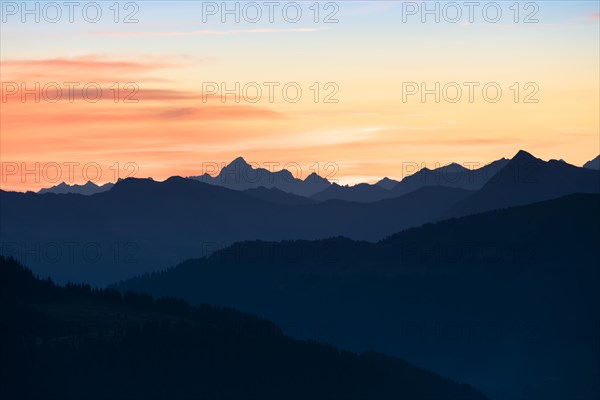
[506, 300]
[78, 343]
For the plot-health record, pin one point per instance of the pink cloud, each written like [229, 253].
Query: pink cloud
[89, 63]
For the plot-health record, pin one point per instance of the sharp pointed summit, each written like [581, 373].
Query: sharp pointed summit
[522, 155]
[315, 178]
[240, 175]
[237, 163]
[240, 160]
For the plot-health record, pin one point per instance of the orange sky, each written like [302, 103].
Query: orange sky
[367, 59]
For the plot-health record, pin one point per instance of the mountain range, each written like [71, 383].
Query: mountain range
[240, 175]
[506, 300]
[86, 189]
[142, 225]
[526, 179]
[452, 175]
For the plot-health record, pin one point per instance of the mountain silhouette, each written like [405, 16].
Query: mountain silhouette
[593, 164]
[452, 175]
[506, 300]
[73, 342]
[240, 175]
[527, 179]
[142, 225]
[87, 189]
[386, 183]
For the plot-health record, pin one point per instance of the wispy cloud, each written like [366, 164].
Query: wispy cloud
[88, 62]
[99, 68]
[207, 32]
[50, 114]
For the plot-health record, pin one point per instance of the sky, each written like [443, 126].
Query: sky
[371, 88]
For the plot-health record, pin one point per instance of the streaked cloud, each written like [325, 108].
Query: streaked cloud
[207, 32]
